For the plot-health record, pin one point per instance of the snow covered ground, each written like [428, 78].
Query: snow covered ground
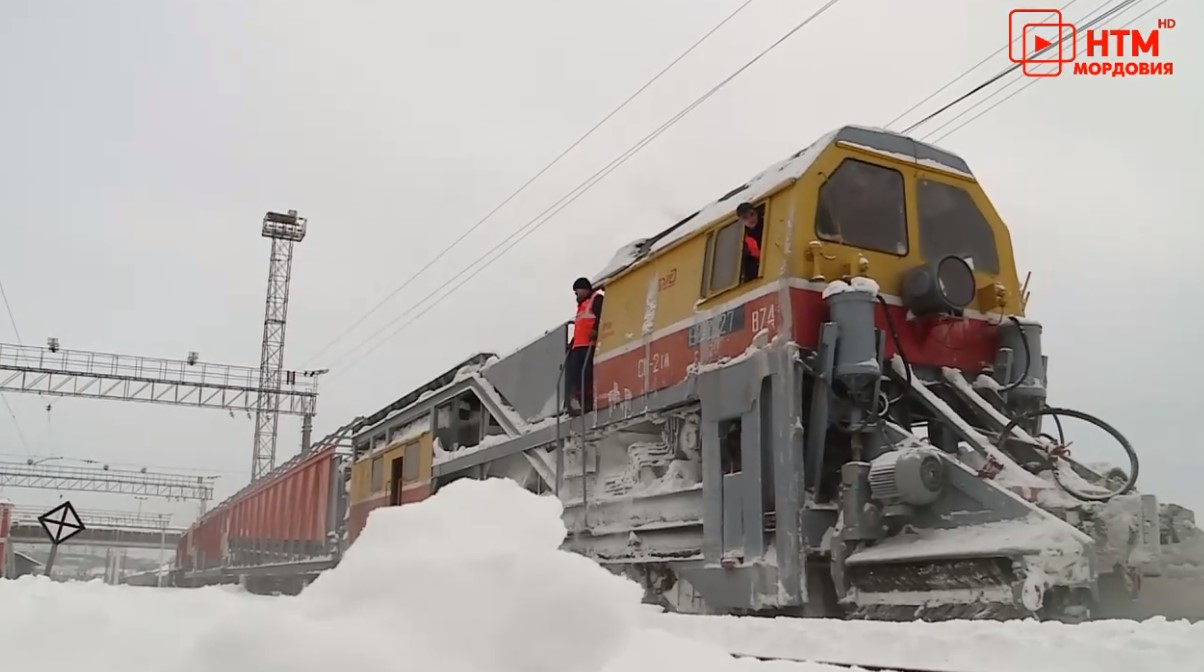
[473, 580]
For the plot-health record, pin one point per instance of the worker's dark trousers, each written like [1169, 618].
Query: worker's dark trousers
[579, 378]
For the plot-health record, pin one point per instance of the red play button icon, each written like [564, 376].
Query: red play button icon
[1040, 43]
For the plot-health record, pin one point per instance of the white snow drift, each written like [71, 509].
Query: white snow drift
[472, 580]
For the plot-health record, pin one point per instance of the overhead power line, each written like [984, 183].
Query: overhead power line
[3, 398]
[972, 68]
[9, 309]
[530, 181]
[1034, 80]
[1104, 17]
[541, 219]
[1016, 66]
[16, 423]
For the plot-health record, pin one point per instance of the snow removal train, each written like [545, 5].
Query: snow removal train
[859, 428]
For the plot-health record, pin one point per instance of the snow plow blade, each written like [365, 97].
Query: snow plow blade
[991, 571]
[976, 551]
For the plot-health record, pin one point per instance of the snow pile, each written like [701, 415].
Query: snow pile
[957, 646]
[470, 581]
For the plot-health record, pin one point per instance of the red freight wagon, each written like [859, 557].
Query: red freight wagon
[288, 518]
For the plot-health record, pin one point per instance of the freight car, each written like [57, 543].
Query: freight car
[857, 426]
[277, 533]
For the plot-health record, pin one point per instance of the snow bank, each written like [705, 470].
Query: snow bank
[471, 580]
[961, 646]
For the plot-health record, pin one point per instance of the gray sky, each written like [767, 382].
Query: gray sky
[141, 143]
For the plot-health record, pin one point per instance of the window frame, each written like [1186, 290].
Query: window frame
[819, 207]
[412, 455]
[708, 267]
[376, 473]
[921, 180]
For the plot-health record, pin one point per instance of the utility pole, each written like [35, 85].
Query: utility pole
[284, 231]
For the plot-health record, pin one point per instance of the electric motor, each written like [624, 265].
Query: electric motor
[913, 476]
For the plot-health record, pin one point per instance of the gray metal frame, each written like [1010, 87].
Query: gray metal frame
[284, 231]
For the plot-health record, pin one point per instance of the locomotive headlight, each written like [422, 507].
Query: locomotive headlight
[944, 287]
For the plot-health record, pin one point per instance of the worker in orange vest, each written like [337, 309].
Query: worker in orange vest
[579, 364]
[750, 263]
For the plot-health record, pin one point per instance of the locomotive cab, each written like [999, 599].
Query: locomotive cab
[858, 203]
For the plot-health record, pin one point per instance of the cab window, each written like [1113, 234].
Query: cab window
[951, 223]
[376, 481]
[726, 264]
[862, 205]
[410, 466]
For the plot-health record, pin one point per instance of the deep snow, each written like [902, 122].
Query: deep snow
[472, 580]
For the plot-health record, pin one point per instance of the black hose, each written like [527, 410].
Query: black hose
[1134, 464]
[1028, 359]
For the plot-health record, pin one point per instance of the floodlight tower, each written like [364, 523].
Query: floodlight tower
[284, 231]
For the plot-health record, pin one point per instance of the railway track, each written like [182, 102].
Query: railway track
[849, 666]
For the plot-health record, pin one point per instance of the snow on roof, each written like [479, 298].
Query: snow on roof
[758, 187]
[879, 140]
[623, 257]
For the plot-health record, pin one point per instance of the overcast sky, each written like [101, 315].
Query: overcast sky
[141, 143]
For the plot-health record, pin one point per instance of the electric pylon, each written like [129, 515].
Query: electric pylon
[283, 231]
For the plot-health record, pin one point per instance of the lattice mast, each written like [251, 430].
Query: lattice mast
[284, 231]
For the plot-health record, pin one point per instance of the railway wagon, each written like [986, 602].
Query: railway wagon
[856, 425]
[274, 534]
[396, 471]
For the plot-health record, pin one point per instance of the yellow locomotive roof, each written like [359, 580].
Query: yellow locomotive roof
[877, 140]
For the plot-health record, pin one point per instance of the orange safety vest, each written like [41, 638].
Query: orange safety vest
[585, 322]
[754, 250]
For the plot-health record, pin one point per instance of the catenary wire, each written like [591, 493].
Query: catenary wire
[1112, 12]
[1034, 80]
[972, 68]
[541, 219]
[1012, 68]
[979, 103]
[3, 397]
[529, 181]
[16, 423]
[9, 309]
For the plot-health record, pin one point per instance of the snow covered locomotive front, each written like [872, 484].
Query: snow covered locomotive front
[826, 435]
[854, 425]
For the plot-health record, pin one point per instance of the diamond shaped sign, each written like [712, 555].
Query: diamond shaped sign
[61, 523]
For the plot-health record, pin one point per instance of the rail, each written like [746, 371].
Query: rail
[850, 666]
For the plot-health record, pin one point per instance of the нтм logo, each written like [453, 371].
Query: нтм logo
[1037, 37]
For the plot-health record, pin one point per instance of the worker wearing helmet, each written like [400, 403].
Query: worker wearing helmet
[579, 364]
